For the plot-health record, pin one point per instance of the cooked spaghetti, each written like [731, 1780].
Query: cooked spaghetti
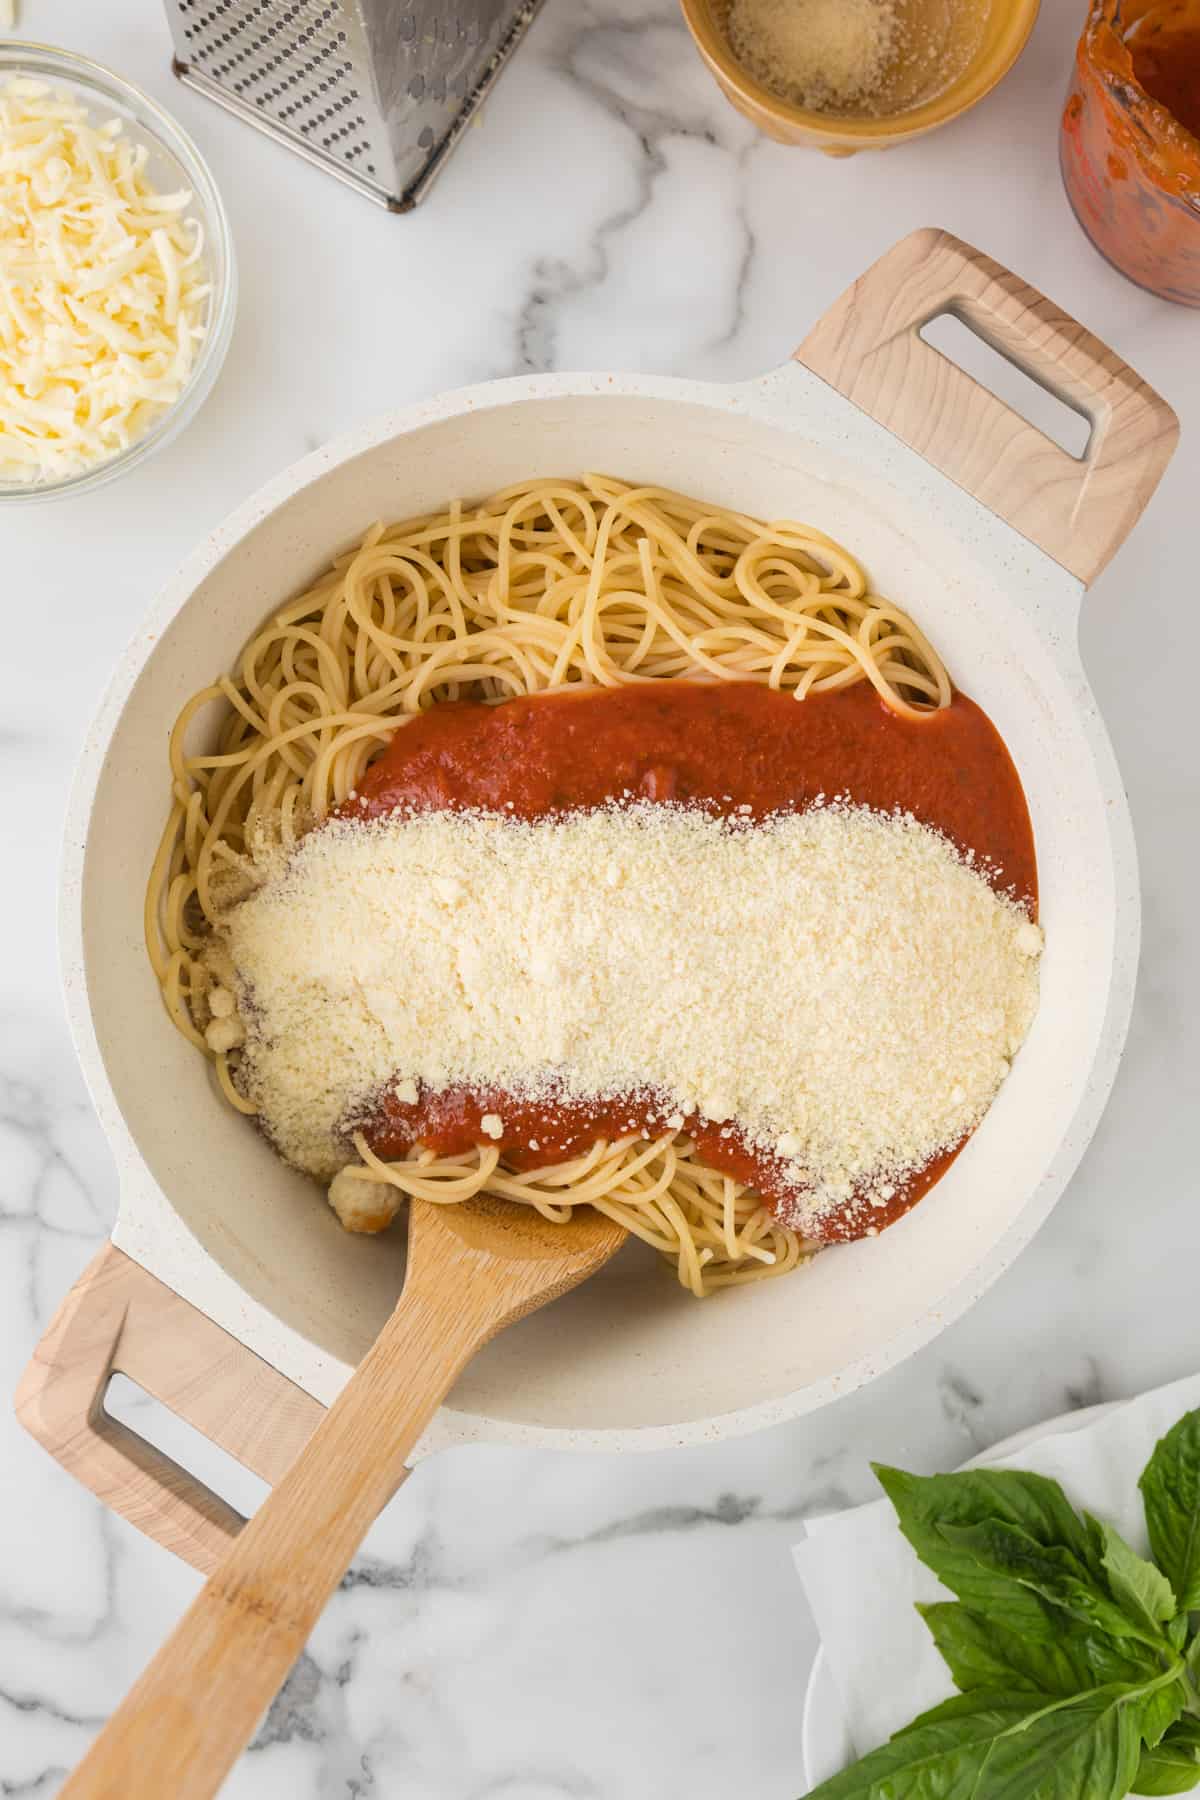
[551, 584]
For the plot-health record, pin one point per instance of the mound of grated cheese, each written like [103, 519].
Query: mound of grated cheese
[102, 290]
[819, 54]
[840, 983]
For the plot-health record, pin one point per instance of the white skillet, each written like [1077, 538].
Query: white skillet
[229, 1290]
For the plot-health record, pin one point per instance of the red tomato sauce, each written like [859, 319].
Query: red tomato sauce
[1168, 67]
[721, 747]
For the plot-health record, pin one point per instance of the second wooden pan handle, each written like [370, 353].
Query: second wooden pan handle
[119, 1319]
[869, 347]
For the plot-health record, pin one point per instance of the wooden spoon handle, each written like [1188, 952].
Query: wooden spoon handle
[182, 1726]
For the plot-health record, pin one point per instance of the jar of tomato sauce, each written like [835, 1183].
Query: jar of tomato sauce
[1131, 141]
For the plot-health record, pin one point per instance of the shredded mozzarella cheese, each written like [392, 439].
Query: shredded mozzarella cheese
[102, 287]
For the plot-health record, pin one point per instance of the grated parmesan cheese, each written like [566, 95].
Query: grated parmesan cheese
[839, 982]
[102, 293]
[819, 54]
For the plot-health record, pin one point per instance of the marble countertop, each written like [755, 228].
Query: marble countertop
[527, 1625]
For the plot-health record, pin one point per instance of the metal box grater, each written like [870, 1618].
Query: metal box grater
[376, 91]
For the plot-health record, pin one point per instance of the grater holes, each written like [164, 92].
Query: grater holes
[260, 31]
[291, 61]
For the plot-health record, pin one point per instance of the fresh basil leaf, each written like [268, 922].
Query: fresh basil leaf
[993, 1747]
[1070, 1648]
[992, 1701]
[1137, 1585]
[1055, 1573]
[1116, 1647]
[938, 1757]
[1170, 1485]
[1034, 1502]
[1160, 1711]
[1083, 1749]
[1162, 1771]
[1063, 1657]
[1174, 1766]
[982, 1653]
[1092, 1622]
[926, 1503]
[1129, 1660]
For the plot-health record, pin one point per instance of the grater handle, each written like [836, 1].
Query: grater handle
[119, 1319]
[1077, 509]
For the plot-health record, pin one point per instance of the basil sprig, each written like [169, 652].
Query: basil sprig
[1077, 1660]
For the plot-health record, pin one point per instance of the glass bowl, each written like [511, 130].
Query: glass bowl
[174, 162]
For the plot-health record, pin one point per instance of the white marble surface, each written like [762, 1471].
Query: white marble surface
[520, 1625]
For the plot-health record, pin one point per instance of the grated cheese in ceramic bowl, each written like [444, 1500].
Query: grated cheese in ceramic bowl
[102, 287]
[823, 55]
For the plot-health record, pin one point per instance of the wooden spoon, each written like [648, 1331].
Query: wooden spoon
[472, 1269]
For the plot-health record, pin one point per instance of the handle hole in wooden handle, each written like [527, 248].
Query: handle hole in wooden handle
[955, 338]
[214, 1468]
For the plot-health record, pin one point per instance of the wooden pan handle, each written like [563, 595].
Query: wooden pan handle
[118, 1319]
[1078, 509]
